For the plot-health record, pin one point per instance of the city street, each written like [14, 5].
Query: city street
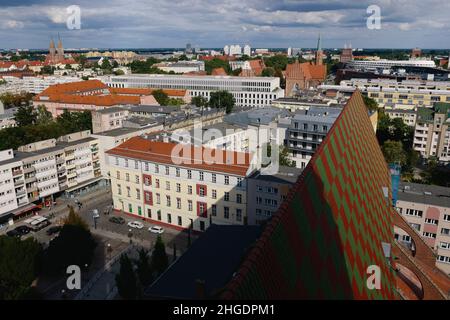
[113, 239]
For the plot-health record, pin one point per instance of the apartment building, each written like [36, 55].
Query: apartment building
[12, 185]
[390, 93]
[386, 64]
[247, 91]
[149, 182]
[7, 117]
[427, 209]
[432, 132]
[39, 171]
[108, 119]
[408, 116]
[306, 132]
[266, 193]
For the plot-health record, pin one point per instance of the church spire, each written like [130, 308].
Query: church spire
[319, 52]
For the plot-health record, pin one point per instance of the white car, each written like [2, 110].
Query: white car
[135, 224]
[156, 229]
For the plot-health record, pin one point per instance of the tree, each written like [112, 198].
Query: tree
[284, 157]
[199, 101]
[160, 261]
[222, 99]
[217, 63]
[143, 268]
[370, 103]
[161, 97]
[126, 280]
[268, 72]
[393, 152]
[73, 246]
[18, 266]
[43, 116]
[25, 116]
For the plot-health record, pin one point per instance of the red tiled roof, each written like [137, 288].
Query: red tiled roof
[218, 72]
[306, 70]
[97, 100]
[194, 157]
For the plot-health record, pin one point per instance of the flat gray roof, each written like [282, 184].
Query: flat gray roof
[285, 175]
[425, 194]
[117, 132]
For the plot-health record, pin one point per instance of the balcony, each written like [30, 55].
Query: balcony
[20, 193]
[18, 182]
[17, 172]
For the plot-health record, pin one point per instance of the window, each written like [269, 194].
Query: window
[148, 199]
[177, 172]
[189, 205]
[201, 209]
[178, 203]
[147, 180]
[156, 183]
[444, 245]
[117, 161]
[239, 183]
[227, 180]
[226, 196]
[127, 177]
[201, 190]
[119, 189]
[258, 200]
[169, 218]
[128, 192]
[239, 198]
[180, 221]
[156, 168]
[167, 170]
[136, 165]
[201, 177]
[130, 208]
[238, 214]
[159, 215]
[412, 212]
[429, 235]
[140, 210]
[189, 172]
[214, 178]
[214, 210]
[443, 259]
[118, 175]
[178, 187]
[158, 198]
[146, 166]
[137, 179]
[167, 185]
[168, 201]
[149, 213]
[446, 217]
[445, 231]
[126, 163]
[431, 221]
[214, 194]
[189, 189]
[226, 212]
[138, 194]
[415, 226]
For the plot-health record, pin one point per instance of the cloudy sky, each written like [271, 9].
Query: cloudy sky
[214, 23]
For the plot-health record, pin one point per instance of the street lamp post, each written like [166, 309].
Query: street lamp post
[130, 235]
[109, 250]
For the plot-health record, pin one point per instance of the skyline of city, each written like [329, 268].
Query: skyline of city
[160, 24]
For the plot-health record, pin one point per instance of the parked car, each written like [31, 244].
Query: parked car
[118, 220]
[23, 230]
[13, 233]
[156, 229]
[52, 230]
[135, 224]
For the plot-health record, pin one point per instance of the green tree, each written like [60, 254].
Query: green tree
[393, 152]
[268, 72]
[25, 116]
[73, 246]
[18, 266]
[217, 63]
[199, 101]
[160, 261]
[143, 268]
[161, 97]
[43, 116]
[284, 157]
[222, 99]
[370, 103]
[126, 280]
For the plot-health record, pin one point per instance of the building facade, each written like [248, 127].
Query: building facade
[247, 91]
[147, 183]
[427, 209]
[432, 132]
[307, 131]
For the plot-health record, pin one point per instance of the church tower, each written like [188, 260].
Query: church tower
[60, 49]
[52, 50]
[319, 52]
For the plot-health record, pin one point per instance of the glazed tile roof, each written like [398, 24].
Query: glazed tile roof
[331, 226]
[196, 157]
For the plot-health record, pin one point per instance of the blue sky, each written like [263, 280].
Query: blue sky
[214, 23]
